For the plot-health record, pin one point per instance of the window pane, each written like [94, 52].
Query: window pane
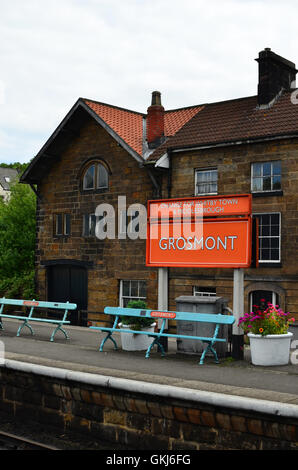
[125, 287]
[274, 219]
[86, 225]
[209, 176]
[134, 289]
[125, 301]
[276, 168]
[257, 184]
[275, 243]
[200, 176]
[267, 183]
[204, 291]
[274, 231]
[257, 169]
[66, 224]
[276, 182]
[265, 230]
[265, 219]
[89, 178]
[275, 254]
[59, 224]
[92, 222]
[265, 242]
[267, 169]
[102, 177]
[142, 288]
[265, 254]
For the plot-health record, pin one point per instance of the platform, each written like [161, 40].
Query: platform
[80, 353]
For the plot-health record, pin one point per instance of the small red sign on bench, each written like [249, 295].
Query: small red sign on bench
[156, 314]
[30, 303]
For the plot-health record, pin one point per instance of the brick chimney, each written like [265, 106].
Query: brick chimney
[155, 121]
[275, 74]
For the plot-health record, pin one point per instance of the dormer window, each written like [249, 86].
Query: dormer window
[95, 177]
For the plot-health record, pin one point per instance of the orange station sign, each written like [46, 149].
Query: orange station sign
[211, 232]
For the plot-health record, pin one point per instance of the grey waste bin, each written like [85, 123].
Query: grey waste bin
[197, 305]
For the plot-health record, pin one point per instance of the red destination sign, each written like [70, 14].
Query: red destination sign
[181, 232]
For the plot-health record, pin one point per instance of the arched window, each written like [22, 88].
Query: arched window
[261, 298]
[96, 176]
[261, 292]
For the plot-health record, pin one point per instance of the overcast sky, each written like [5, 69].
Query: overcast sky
[119, 51]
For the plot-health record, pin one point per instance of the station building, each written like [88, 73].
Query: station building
[102, 153]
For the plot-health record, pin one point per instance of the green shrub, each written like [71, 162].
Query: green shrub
[136, 323]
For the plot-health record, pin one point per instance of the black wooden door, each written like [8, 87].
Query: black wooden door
[68, 283]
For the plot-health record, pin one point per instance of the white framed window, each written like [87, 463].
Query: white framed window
[265, 176]
[89, 224]
[95, 177]
[269, 237]
[62, 224]
[131, 290]
[204, 291]
[206, 181]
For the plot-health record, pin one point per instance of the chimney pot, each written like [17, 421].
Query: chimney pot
[156, 98]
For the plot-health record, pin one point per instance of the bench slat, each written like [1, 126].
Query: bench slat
[38, 303]
[169, 335]
[45, 320]
[180, 316]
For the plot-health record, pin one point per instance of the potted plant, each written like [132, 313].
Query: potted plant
[136, 342]
[267, 330]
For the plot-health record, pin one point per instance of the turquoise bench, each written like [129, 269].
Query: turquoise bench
[215, 319]
[33, 304]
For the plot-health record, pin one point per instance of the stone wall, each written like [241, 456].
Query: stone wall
[234, 177]
[109, 260]
[143, 416]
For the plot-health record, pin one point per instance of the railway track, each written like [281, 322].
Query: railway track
[10, 441]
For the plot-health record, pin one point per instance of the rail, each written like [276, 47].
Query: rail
[9, 441]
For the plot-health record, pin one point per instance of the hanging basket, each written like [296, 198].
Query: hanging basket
[270, 350]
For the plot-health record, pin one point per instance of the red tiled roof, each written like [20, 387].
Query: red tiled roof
[234, 120]
[129, 124]
[176, 118]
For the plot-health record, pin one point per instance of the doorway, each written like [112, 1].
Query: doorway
[69, 283]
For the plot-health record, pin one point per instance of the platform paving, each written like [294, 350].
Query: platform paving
[80, 353]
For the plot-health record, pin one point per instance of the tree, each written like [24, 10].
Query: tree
[20, 167]
[17, 242]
